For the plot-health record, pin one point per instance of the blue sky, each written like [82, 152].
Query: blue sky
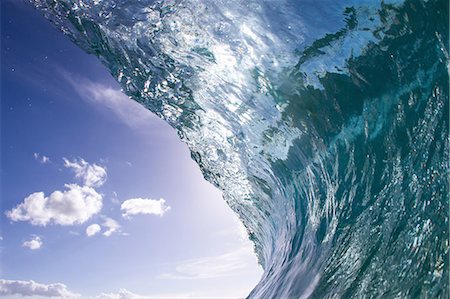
[66, 126]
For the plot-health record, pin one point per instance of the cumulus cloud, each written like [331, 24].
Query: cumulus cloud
[31, 288]
[148, 206]
[111, 225]
[73, 206]
[34, 243]
[93, 229]
[41, 158]
[92, 175]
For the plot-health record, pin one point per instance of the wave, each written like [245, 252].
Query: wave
[325, 124]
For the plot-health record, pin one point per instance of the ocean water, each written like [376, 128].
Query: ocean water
[325, 123]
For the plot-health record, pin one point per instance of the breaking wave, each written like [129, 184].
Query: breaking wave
[325, 123]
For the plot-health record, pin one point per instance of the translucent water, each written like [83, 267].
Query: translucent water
[324, 123]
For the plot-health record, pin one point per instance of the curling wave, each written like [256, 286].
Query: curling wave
[324, 123]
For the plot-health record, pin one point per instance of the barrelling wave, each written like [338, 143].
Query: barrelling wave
[325, 124]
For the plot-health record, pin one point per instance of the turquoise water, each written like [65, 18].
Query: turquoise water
[324, 123]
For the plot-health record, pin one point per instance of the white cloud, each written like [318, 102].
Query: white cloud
[73, 206]
[31, 288]
[93, 229]
[149, 206]
[34, 243]
[111, 225]
[41, 158]
[92, 175]
[228, 264]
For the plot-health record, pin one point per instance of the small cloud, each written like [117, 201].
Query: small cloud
[135, 206]
[92, 175]
[34, 243]
[93, 229]
[43, 159]
[75, 205]
[31, 288]
[111, 225]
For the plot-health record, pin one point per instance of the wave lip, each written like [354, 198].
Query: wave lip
[326, 126]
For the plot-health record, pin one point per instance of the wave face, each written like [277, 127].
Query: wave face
[325, 123]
